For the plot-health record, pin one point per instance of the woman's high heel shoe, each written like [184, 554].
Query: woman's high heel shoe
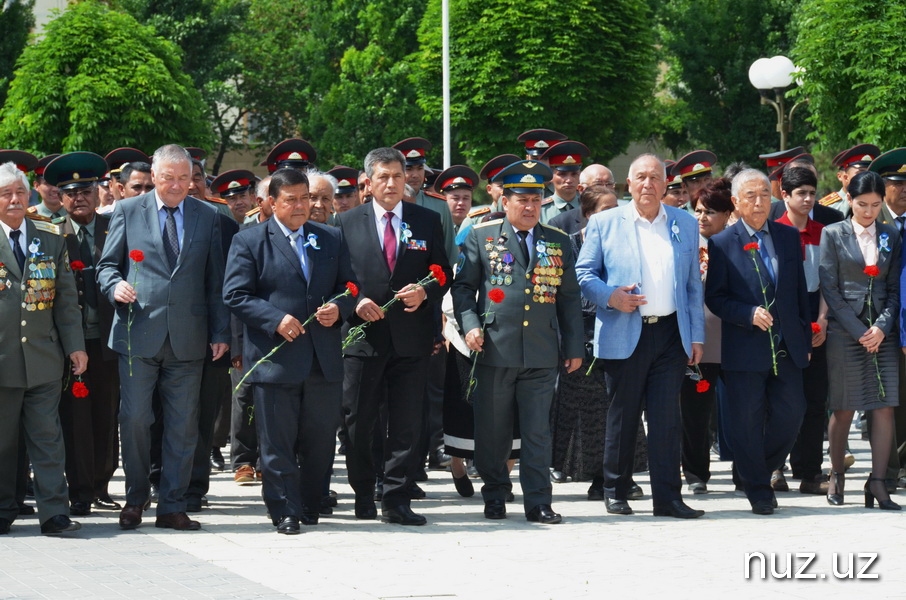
[839, 479]
[870, 497]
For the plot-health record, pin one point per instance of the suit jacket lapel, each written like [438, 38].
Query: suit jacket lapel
[149, 210]
[371, 233]
[281, 243]
[629, 234]
[189, 222]
[850, 243]
[9, 259]
[312, 255]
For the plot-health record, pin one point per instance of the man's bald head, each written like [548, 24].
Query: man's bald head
[596, 175]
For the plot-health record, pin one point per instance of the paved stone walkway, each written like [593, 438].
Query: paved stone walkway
[461, 555]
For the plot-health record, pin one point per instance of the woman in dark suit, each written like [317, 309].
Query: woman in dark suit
[862, 343]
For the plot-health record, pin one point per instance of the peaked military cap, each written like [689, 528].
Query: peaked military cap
[890, 165]
[414, 150]
[294, 153]
[538, 141]
[524, 177]
[455, 177]
[233, 182]
[75, 170]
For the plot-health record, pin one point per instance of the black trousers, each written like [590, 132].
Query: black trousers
[243, 435]
[651, 377]
[807, 453]
[697, 408]
[215, 387]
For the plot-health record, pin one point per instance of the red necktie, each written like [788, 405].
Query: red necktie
[390, 242]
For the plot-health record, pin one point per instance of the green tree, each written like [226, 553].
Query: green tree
[585, 68]
[96, 81]
[708, 46]
[16, 21]
[855, 71]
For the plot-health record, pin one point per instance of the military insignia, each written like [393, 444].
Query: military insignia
[531, 164]
[76, 176]
[413, 153]
[233, 184]
[294, 156]
[569, 160]
[47, 226]
[527, 179]
[902, 169]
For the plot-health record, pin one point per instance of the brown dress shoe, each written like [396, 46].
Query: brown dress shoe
[131, 516]
[179, 521]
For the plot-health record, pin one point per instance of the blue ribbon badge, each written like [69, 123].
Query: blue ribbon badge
[312, 241]
[674, 232]
[884, 242]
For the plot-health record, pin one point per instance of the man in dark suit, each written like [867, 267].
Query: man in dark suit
[40, 323]
[756, 286]
[169, 307]
[278, 274]
[392, 244]
[521, 343]
[89, 424]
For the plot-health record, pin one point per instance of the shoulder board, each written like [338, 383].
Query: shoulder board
[547, 200]
[216, 201]
[434, 195]
[253, 212]
[46, 227]
[552, 228]
[32, 210]
[481, 210]
[831, 198]
[31, 213]
[488, 223]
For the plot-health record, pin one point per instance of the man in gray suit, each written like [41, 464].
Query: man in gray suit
[40, 322]
[168, 307]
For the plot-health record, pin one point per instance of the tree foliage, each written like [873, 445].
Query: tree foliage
[708, 46]
[855, 71]
[16, 21]
[96, 81]
[585, 68]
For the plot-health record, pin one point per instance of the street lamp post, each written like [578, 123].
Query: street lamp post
[776, 74]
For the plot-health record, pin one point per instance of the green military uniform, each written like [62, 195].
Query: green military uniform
[40, 324]
[540, 314]
[556, 205]
[439, 205]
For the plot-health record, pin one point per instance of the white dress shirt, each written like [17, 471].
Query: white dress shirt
[656, 251]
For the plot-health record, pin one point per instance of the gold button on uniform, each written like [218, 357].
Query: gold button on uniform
[25, 339]
[528, 291]
[23, 323]
[526, 307]
[524, 324]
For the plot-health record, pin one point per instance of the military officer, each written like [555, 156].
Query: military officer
[517, 298]
[775, 161]
[539, 141]
[456, 185]
[346, 194]
[50, 205]
[677, 195]
[40, 323]
[237, 187]
[89, 423]
[849, 162]
[695, 169]
[295, 153]
[565, 158]
[494, 189]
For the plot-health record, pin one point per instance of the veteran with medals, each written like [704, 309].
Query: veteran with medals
[517, 299]
[40, 323]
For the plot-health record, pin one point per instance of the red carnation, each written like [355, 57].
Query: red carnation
[438, 273]
[702, 386]
[872, 270]
[751, 246]
[77, 265]
[137, 255]
[353, 289]
[816, 328]
[496, 295]
[79, 390]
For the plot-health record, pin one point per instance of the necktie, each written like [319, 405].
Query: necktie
[86, 253]
[765, 255]
[901, 223]
[523, 237]
[390, 242]
[17, 250]
[300, 252]
[171, 238]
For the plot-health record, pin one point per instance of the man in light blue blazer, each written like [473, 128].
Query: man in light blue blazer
[639, 264]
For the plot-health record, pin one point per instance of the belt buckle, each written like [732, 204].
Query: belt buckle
[651, 319]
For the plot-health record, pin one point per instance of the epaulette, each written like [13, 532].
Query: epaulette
[44, 224]
[552, 228]
[434, 195]
[253, 212]
[481, 210]
[831, 198]
[32, 213]
[32, 210]
[216, 201]
[488, 223]
[547, 200]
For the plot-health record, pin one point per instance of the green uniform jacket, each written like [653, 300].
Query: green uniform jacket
[556, 205]
[540, 318]
[35, 337]
[440, 206]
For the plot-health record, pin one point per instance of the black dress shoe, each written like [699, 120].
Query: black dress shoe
[543, 513]
[416, 493]
[4, 526]
[288, 525]
[635, 492]
[678, 510]
[463, 486]
[26, 510]
[617, 507]
[378, 492]
[420, 475]
[80, 509]
[595, 493]
[217, 462]
[330, 499]
[365, 509]
[494, 509]
[403, 515]
[439, 460]
[155, 492]
[510, 497]
[59, 524]
[106, 503]
[762, 507]
[309, 518]
[558, 476]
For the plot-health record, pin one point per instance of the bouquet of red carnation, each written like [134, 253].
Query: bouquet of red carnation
[357, 334]
[79, 389]
[351, 290]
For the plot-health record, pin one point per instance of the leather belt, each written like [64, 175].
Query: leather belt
[652, 319]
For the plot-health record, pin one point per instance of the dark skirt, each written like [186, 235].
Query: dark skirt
[855, 376]
[459, 420]
[578, 420]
